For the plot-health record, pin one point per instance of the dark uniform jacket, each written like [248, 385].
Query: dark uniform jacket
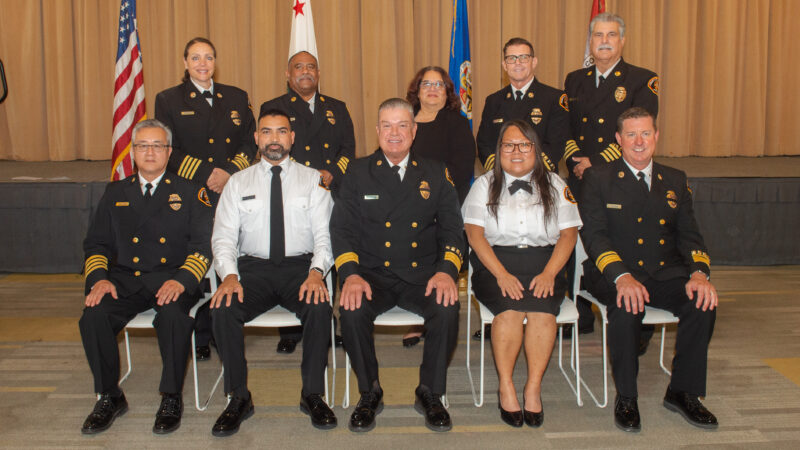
[324, 140]
[411, 229]
[651, 235]
[544, 106]
[593, 111]
[205, 136]
[139, 244]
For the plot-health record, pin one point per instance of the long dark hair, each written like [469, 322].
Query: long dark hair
[540, 179]
[412, 95]
[197, 40]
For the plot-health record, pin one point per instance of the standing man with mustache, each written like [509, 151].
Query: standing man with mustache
[324, 138]
[598, 95]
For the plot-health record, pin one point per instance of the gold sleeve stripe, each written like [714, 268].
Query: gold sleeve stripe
[188, 167]
[197, 265]
[607, 258]
[453, 258]
[547, 162]
[489, 164]
[345, 258]
[613, 150]
[570, 148]
[198, 274]
[343, 162]
[241, 161]
[95, 262]
[603, 154]
[701, 257]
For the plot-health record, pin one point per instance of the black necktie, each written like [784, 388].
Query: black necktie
[396, 170]
[277, 248]
[520, 184]
[642, 182]
[207, 94]
[519, 95]
[147, 194]
[602, 80]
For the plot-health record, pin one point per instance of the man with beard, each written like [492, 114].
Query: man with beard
[272, 240]
[324, 138]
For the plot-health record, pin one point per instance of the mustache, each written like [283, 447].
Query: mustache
[273, 151]
[605, 47]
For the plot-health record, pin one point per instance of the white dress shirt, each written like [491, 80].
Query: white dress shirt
[402, 164]
[520, 217]
[201, 89]
[648, 173]
[523, 89]
[605, 74]
[154, 183]
[241, 224]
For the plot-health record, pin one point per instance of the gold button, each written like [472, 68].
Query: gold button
[640, 241]
[661, 242]
[386, 263]
[600, 120]
[136, 259]
[662, 221]
[135, 239]
[639, 220]
[599, 139]
[327, 161]
[137, 273]
[163, 260]
[325, 145]
[210, 159]
[641, 263]
[388, 244]
[414, 264]
[211, 141]
[308, 147]
[414, 244]
[388, 224]
[308, 163]
[585, 119]
[580, 138]
[227, 140]
[162, 240]
[413, 224]
[661, 263]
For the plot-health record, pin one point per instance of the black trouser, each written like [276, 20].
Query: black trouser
[441, 330]
[266, 285]
[691, 345]
[100, 325]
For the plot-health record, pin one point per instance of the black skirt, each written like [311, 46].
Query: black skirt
[525, 264]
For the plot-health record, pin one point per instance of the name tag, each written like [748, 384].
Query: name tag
[187, 113]
[613, 206]
[497, 120]
[249, 197]
[121, 204]
[371, 197]
[291, 119]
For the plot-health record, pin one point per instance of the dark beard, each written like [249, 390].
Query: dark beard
[273, 154]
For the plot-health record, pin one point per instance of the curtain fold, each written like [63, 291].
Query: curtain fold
[727, 67]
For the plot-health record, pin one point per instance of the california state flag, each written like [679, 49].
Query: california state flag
[303, 38]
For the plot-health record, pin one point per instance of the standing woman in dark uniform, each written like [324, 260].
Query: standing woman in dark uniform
[212, 136]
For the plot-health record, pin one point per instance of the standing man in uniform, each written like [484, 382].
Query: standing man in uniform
[642, 238]
[324, 138]
[597, 96]
[273, 248]
[525, 98]
[397, 232]
[148, 247]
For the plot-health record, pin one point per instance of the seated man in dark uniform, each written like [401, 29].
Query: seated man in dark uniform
[272, 245]
[397, 232]
[148, 246]
[640, 232]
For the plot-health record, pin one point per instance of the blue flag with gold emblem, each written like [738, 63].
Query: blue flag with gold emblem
[460, 61]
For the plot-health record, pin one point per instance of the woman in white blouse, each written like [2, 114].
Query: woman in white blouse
[522, 223]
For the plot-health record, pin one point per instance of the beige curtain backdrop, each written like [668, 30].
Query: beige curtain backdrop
[727, 67]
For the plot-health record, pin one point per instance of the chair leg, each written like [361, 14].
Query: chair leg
[346, 399]
[128, 356]
[604, 403]
[331, 399]
[197, 405]
[475, 399]
[661, 357]
[574, 361]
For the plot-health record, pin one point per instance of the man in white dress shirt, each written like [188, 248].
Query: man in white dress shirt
[272, 247]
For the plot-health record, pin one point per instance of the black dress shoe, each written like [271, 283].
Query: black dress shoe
[477, 335]
[533, 419]
[369, 405]
[411, 341]
[626, 414]
[235, 413]
[168, 417]
[202, 352]
[286, 346]
[322, 416]
[513, 418]
[105, 411]
[690, 408]
[430, 405]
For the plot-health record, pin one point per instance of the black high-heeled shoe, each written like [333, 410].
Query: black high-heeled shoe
[513, 418]
[532, 419]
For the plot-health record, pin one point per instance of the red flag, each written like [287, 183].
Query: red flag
[598, 6]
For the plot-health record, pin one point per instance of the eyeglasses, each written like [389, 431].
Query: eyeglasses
[511, 59]
[523, 147]
[425, 84]
[156, 148]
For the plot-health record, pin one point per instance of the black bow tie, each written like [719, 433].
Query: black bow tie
[520, 184]
[207, 94]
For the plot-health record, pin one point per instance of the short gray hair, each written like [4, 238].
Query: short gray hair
[397, 103]
[609, 17]
[151, 123]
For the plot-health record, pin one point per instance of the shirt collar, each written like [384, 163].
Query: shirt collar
[606, 73]
[510, 178]
[648, 171]
[201, 89]
[524, 89]
[155, 182]
[266, 166]
[402, 163]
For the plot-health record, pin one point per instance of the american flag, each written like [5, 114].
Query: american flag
[128, 91]
[598, 6]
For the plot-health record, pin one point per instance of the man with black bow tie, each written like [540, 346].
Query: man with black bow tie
[148, 246]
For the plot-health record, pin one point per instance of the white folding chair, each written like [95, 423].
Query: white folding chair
[652, 316]
[144, 320]
[278, 317]
[394, 317]
[567, 314]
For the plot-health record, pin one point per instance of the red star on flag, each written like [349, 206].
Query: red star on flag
[298, 7]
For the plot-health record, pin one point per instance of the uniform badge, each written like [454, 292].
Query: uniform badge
[672, 199]
[425, 190]
[202, 195]
[293, 99]
[620, 93]
[653, 85]
[497, 120]
[187, 113]
[536, 116]
[568, 195]
[589, 73]
[235, 118]
[329, 115]
[508, 95]
[122, 204]
[563, 101]
[530, 94]
[448, 177]
[621, 174]
[219, 94]
[192, 94]
[174, 201]
[617, 73]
